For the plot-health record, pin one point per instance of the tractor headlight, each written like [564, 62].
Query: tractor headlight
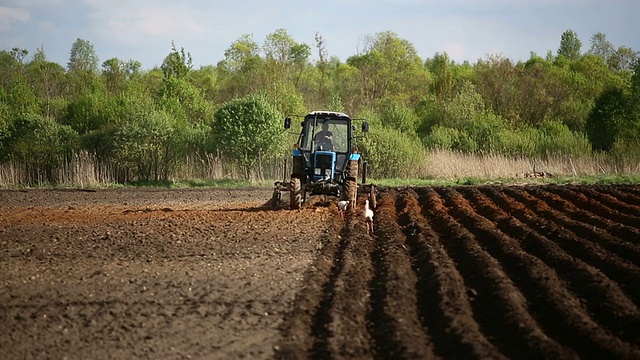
[317, 171]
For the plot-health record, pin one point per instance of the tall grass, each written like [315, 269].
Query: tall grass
[83, 170]
[443, 164]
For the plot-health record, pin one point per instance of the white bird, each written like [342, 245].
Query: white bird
[368, 217]
[342, 207]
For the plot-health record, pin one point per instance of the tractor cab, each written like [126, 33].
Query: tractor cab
[324, 143]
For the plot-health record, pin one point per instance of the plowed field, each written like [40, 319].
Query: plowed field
[478, 272]
[450, 272]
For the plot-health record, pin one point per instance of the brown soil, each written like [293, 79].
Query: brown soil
[450, 272]
[149, 273]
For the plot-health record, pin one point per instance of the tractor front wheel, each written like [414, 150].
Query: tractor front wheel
[295, 193]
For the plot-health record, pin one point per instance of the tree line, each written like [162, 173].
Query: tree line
[149, 124]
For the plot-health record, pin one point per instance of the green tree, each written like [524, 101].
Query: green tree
[441, 66]
[601, 47]
[322, 91]
[116, 73]
[475, 127]
[19, 54]
[622, 59]
[247, 130]
[497, 81]
[185, 101]
[535, 87]
[285, 57]
[82, 75]
[390, 67]
[399, 117]
[555, 138]
[240, 54]
[39, 55]
[347, 89]
[48, 81]
[91, 111]
[633, 100]
[177, 64]
[207, 80]
[144, 141]
[570, 45]
[285, 60]
[21, 98]
[300, 59]
[635, 85]
[9, 69]
[5, 124]
[150, 81]
[606, 120]
[241, 71]
[584, 82]
[83, 57]
[278, 46]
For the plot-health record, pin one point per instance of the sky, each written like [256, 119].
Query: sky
[467, 30]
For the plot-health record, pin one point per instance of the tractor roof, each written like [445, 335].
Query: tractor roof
[329, 113]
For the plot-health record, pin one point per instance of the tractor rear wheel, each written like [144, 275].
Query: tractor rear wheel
[372, 197]
[295, 193]
[351, 191]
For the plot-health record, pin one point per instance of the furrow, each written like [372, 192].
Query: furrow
[563, 213]
[395, 319]
[619, 192]
[470, 262]
[350, 309]
[608, 305]
[619, 204]
[603, 207]
[513, 327]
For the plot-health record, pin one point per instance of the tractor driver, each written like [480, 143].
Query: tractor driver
[324, 138]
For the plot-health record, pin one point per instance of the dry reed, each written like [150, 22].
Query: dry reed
[84, 170]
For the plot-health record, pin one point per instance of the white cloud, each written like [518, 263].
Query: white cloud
[465, 29]
[133, 23]
[9, 16]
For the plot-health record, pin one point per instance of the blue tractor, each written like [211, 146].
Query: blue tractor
[325, 160]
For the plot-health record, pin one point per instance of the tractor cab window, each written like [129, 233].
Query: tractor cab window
[329, 135]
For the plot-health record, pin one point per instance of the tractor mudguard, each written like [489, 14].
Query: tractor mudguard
[298, 167]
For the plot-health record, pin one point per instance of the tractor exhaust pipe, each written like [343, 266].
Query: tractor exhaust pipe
[284, 174]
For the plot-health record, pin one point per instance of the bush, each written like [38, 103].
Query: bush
[40, 144]
[446, 138]
[399, 117]
[518, 142]
[247, 130]
[556, 138]
[392, 154]
[146, 143]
